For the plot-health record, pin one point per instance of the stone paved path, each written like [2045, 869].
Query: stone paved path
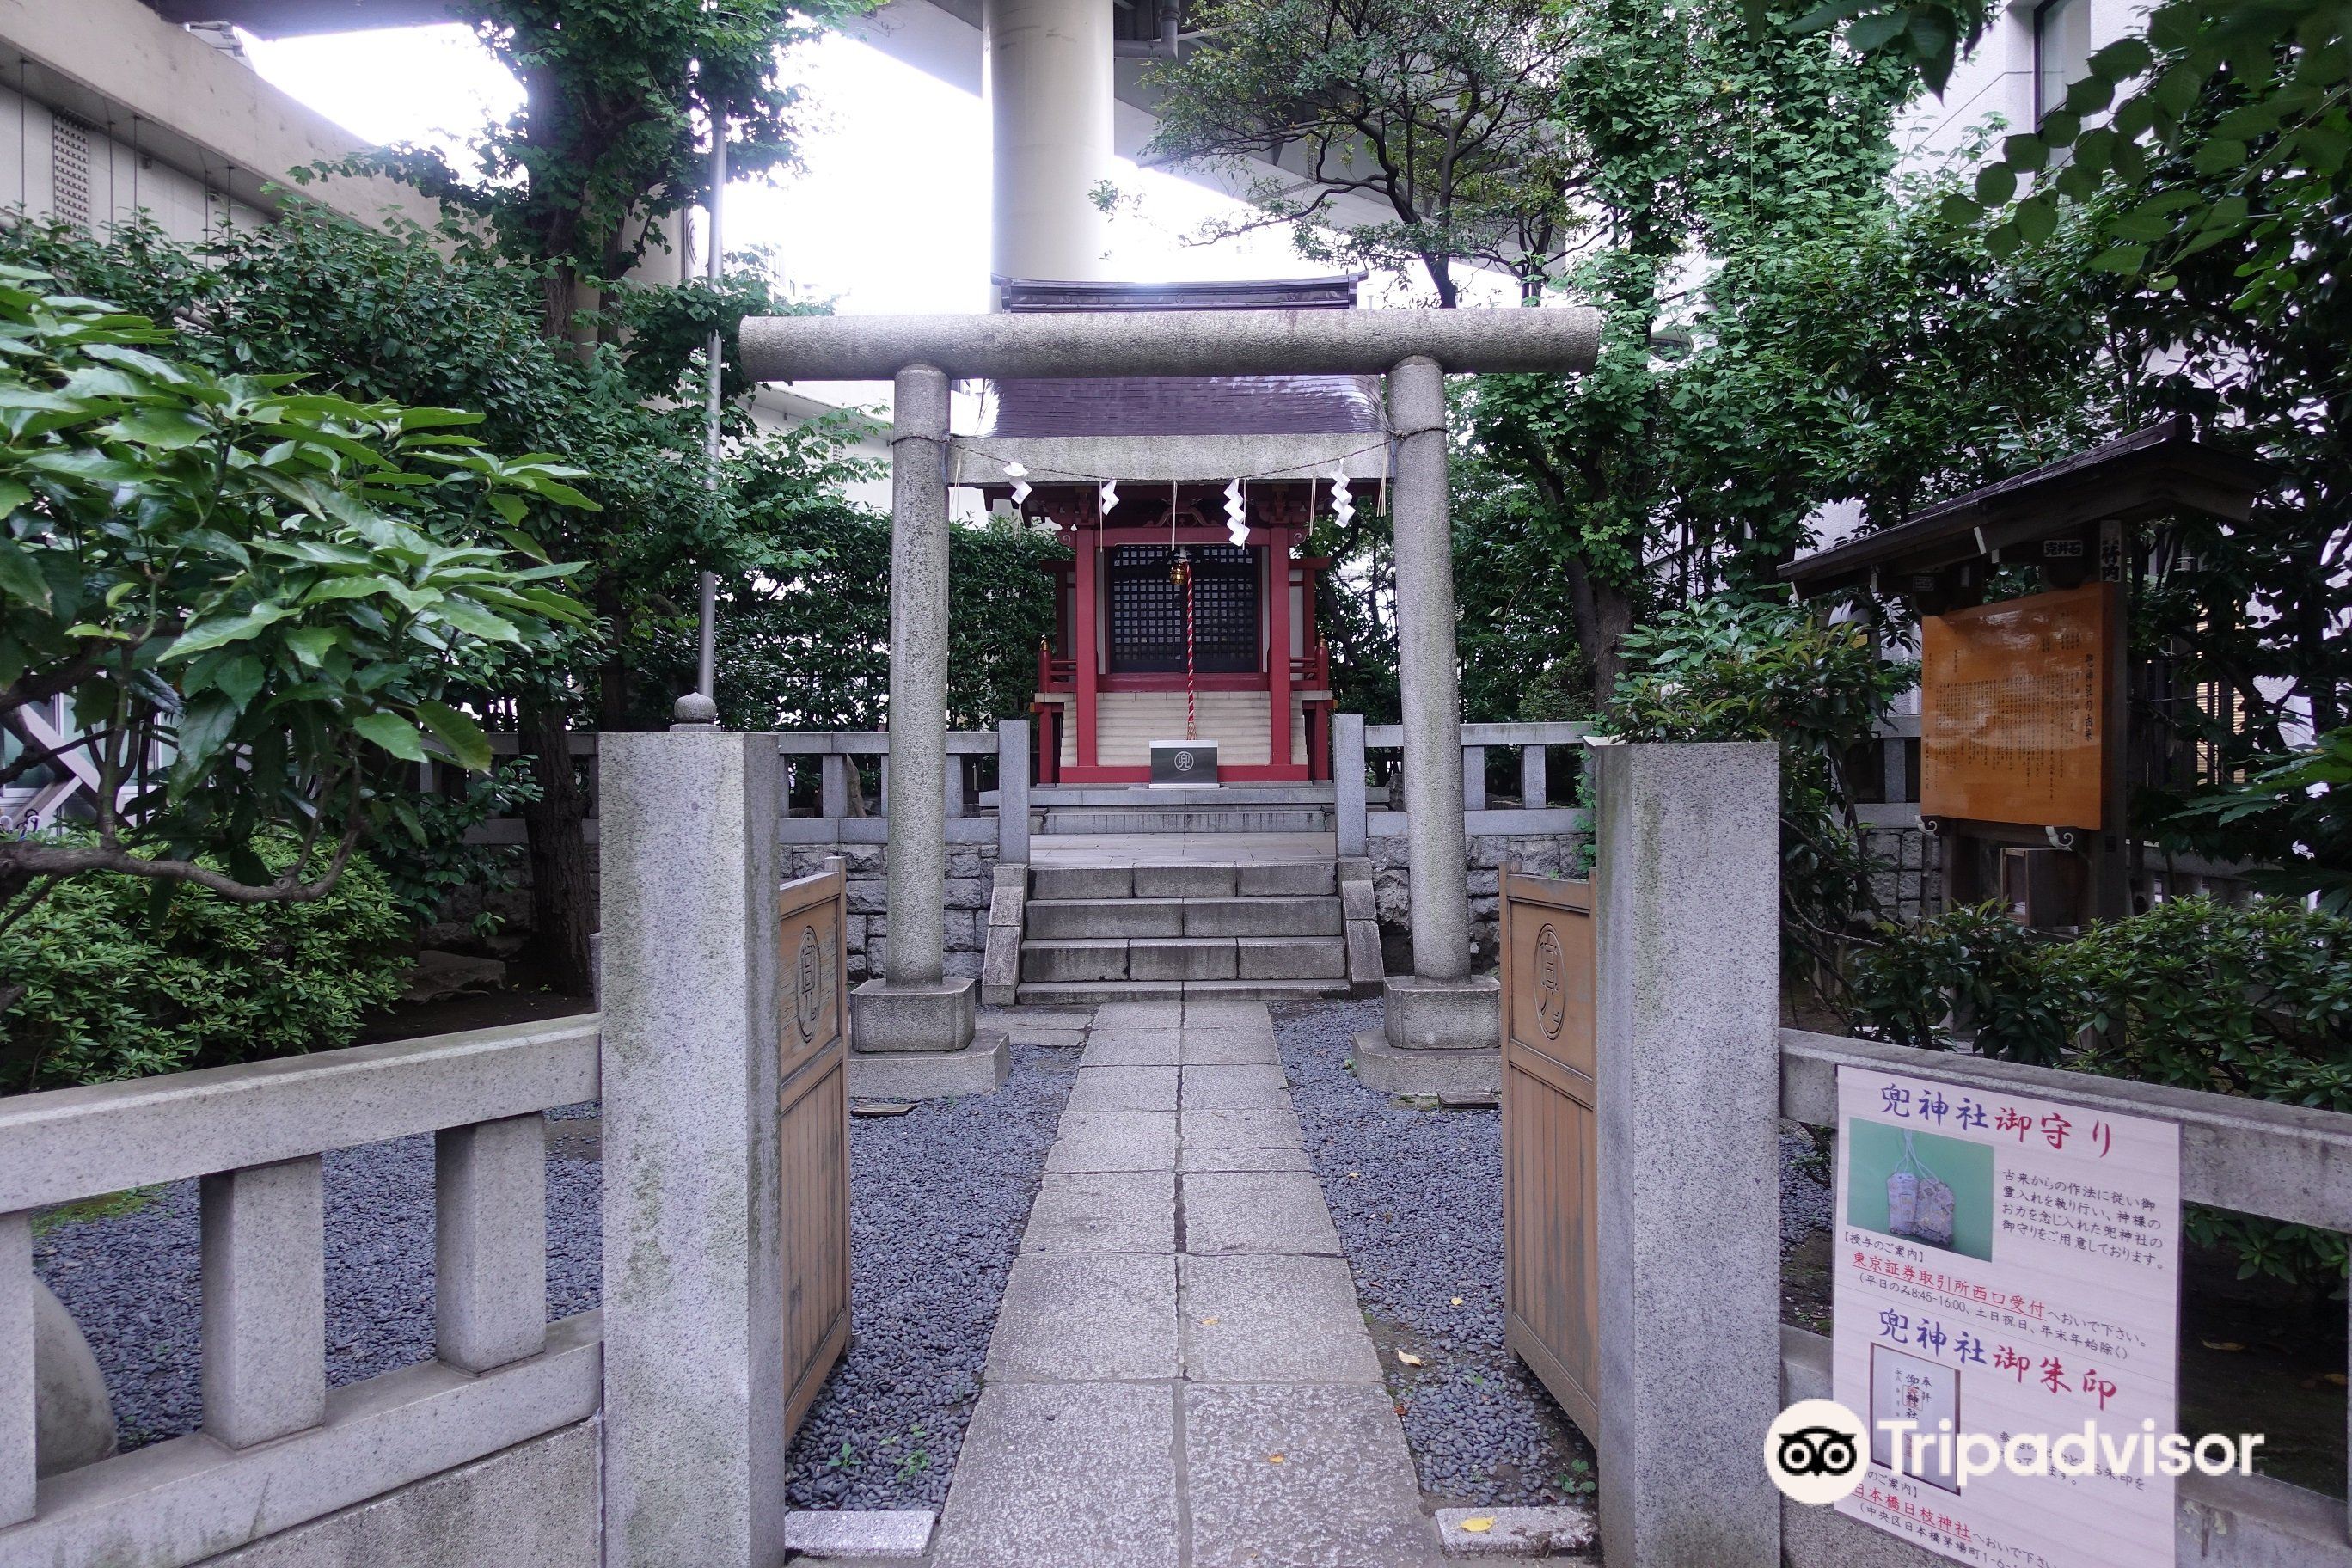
[1179, 1375]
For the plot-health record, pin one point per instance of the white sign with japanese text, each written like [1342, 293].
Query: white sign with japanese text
[2008, 1267]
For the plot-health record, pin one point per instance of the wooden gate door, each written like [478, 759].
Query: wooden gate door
[812, 1125]
[1550, 1290]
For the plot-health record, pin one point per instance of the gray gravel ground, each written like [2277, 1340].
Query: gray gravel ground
[1418, 1198]
[1805, 1205]
[132, 1279]
[941, 1196]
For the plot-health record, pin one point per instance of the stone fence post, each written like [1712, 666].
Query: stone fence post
[1687, 1098]
[1013, 792]
[694, 1301]
[1348, 781]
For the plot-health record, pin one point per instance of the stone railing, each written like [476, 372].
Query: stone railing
[2282, 1161]
[1360, 820]
[973, 815]
[836, 756]
[278, 1447]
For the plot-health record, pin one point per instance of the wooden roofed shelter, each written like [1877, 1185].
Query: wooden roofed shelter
[2028, 701]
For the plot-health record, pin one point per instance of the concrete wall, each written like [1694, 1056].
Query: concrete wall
[535, 1505]
[972, 874]
[108, 174]
[198, 111]
[1996, 77]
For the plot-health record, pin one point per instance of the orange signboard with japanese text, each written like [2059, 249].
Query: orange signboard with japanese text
[2013, 709]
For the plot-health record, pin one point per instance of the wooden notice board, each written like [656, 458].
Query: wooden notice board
[2013, 709]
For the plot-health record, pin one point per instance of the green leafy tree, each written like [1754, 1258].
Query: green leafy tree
[809, 649]
[2255, 95]
[1710, 154]
[1439, 115]
[571, 192]
[258, 599]
[2294, 812]
[614, 134]
[1727, 669]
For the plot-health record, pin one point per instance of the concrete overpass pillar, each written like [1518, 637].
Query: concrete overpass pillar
[1046, 66]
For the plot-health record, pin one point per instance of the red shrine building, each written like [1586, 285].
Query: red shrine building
[1187, 609]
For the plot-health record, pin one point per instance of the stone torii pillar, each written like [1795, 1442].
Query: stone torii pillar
[1442, 1008]
[912, 1031]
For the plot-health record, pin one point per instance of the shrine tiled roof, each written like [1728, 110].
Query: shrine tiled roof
[1185, 406]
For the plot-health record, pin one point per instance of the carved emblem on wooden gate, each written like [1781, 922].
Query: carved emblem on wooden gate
[1551, 994]
[808, 988]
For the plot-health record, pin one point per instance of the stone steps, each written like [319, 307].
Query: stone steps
[1264, 929]
[1080, 919]
[1100, 809]
[1193, 819]
[1186, 958]
[1097, 992]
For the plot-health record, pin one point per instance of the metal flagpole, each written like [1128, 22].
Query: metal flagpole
[706, 675]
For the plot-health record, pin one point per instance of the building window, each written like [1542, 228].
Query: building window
[2061, 51]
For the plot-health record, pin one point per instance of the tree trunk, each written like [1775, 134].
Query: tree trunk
[562, 907]
[613, 679]
[1604, 614]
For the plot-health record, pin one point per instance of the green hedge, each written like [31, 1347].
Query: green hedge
[2254, 1000]
[119, 982]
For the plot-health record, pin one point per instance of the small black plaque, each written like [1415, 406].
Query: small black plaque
[1184, 763]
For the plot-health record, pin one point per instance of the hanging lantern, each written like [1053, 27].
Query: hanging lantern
[1180, 573]
[1236, 514]
[1343, 503]
[1019, 474]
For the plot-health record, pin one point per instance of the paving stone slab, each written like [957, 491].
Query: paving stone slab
[1114, 1141]
[1114, 1017]
[1104, 1211]
[1515, 1531]
[1193, 1157]
[1277, 1320]
[1055, 1037]
[1123, 1089]
[1263, 1127]
[1236, 1015]
[1230, 1047]
[1258, 1211]
[1132, 1047]
[1069, 1317]
[1065, 1474]
[1340, 1491]
[1234, 1087]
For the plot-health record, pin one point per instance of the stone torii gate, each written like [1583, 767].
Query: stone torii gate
[914, 1006]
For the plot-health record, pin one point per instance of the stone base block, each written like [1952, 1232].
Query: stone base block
[1515, 1531]
[1426, 1015]
[979, 1068]
[859, 1534]
[1000, 967]
[1382, 1066]
[884, 1017]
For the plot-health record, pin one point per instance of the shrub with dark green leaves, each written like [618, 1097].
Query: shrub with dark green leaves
[1978, 968]
[1727, 669]
[111, 979]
